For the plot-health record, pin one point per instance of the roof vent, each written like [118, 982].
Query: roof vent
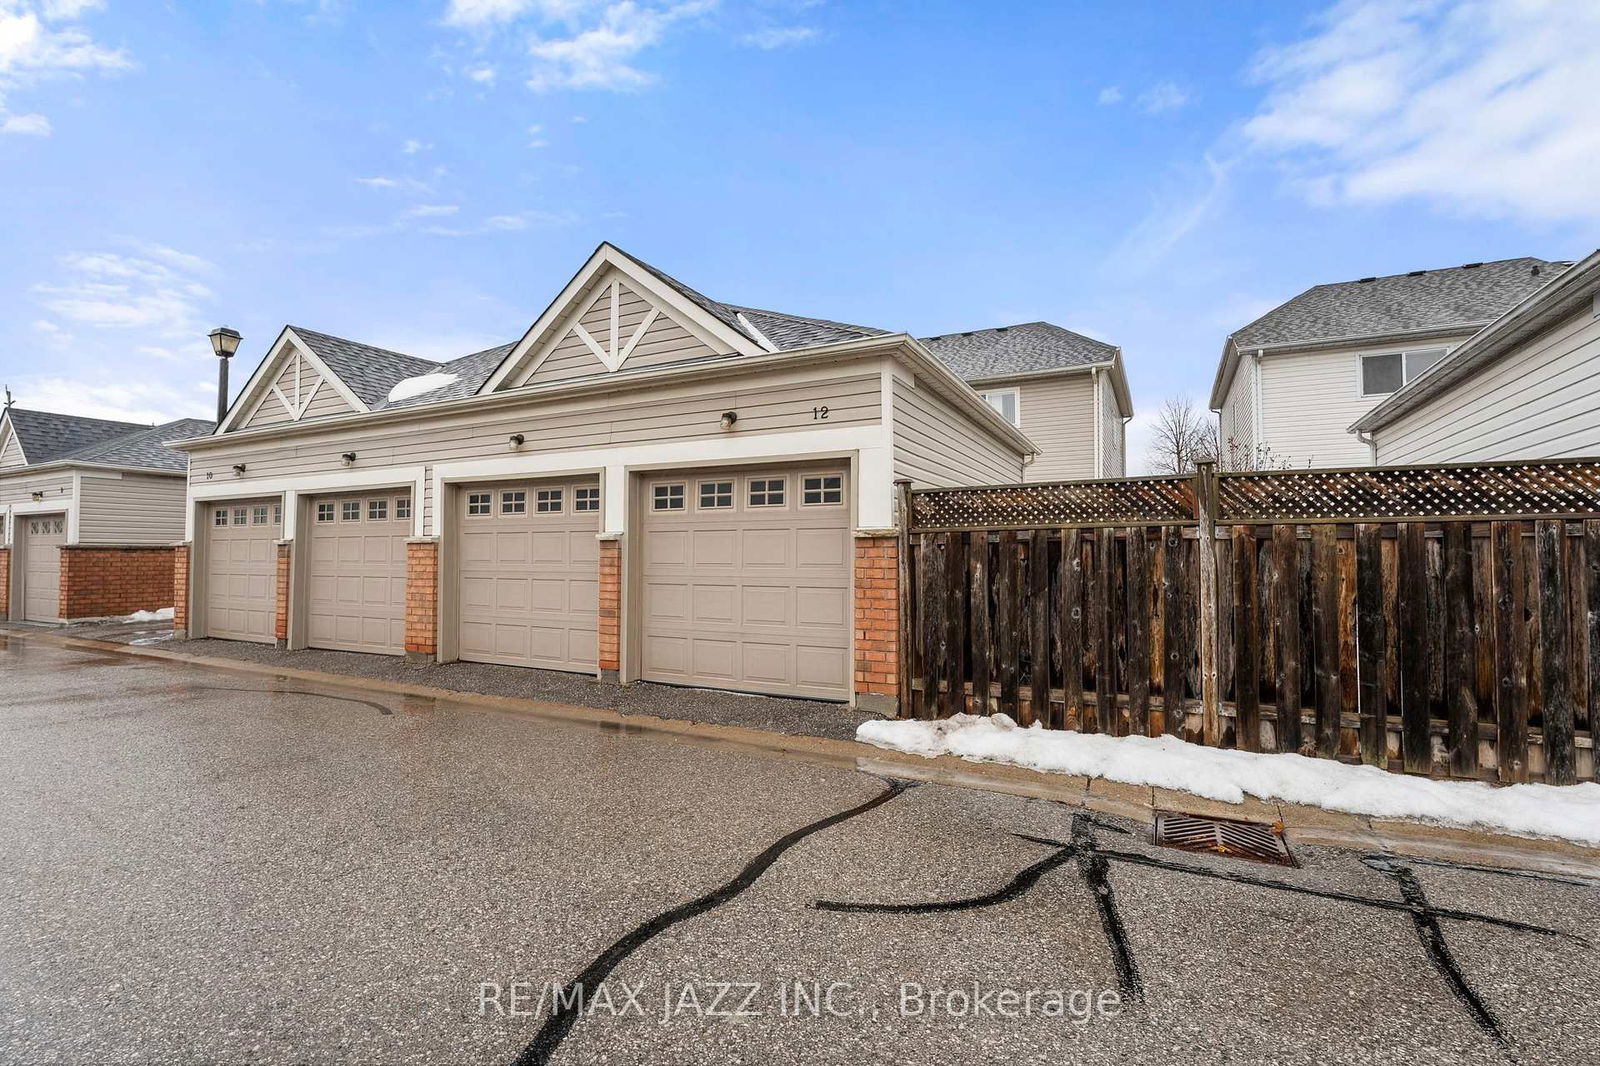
[1416, 273]
[1536, 270]
[1470, 266]
[1363, 281]
[966, 334]
[1002, 329]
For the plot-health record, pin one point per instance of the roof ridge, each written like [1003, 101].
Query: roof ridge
[364, 344]
[1422, 271]
[741, 308]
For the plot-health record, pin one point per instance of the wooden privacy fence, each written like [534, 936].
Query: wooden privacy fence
[1439, 619]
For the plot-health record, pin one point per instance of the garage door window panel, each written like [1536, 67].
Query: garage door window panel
[822, 490]
[715, 495]
[767, 492]
[350, 511]
[479, 504]
[667, 498]
[514, 502]
[548, 501]
[377, 510]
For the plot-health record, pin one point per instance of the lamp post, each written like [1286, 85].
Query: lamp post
[224, 342]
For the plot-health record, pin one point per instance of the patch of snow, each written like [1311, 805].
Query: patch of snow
[417, 386]
[163, 615]
[1570, 812]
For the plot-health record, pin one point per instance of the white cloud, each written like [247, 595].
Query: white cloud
[413, 146]
[42, 43]
[602, 56]
[483, 75]
[379, 182]
[509, 223]
[1480, 107]
[1111, 94]
[536, 137]
[430, 210]
[156, 292]
[779, 37]
[27, 125]
[125, 400]
[1162, 97]
[477, 14]
[1172, 218]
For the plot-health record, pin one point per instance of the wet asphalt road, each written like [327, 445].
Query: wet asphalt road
[200, 866]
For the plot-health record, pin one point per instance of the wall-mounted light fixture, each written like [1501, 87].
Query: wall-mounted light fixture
[516, 440]
[36, 495]
[728, 419]
[349, 458]
[238, 470]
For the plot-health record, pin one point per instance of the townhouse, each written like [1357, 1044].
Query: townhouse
[648, 484]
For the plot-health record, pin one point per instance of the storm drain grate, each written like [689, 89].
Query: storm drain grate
[1223, 836]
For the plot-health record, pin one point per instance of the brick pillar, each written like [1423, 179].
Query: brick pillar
[610, 607]
[107, 582]
[422, 599]
[5, 583]
[180, 591]
[280, 629]
[877, 622]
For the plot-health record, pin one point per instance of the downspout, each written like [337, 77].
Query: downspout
[1099, 445]
[1371, 443]
[1258, 430]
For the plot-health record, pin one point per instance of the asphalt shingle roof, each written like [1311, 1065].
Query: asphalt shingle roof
[47, 436]
[1400, 303]
[1031, 347]
[369, 372]
[145, 448]
[52, 438]
[789, 332]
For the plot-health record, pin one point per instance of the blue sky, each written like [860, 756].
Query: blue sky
[425, 176]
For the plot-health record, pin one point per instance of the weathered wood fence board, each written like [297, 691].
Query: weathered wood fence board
[1441, 620]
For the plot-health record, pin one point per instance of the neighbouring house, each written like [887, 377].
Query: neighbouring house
[1527, 386]
[91, 509]
[1291, 383]
[648, 484]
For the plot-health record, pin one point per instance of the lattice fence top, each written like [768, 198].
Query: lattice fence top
[1157, 501]
[1493, 490]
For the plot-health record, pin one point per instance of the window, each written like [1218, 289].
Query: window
[220, 518]
[479, 503]
[587, 499]
[1007, 402]
[258, 515]
[514, 501]
[824, 488]
[716, 494]
[324, 512]
[766, 492]
[240, 516]
[377, 510]
[667, 498]
[277, 514]
[547, 501]
[1386, 373]
[350, 511]
[402, 507]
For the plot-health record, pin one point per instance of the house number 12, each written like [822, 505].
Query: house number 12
[819, 413]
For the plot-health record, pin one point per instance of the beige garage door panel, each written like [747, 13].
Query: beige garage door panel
[530, 574]
[241, 569]
[356, 578]
[41, 568]
[740, 592]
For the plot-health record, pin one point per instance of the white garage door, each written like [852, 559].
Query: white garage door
[356, 576]
[746, 581]
[241, 569]
[530, 573]
[41, 566]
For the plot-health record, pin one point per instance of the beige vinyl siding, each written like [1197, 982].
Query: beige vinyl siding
[569, 359]
[1057, 414]
[666, 341]
[1238, 418]
[132, 509]
[11, 453]
[324, 402]
[1539, 401]
[766, 403]
[935, 445]
[19, 487]
[1309, 399]
[1113, 460]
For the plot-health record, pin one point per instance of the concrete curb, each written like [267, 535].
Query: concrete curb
[1310, 825]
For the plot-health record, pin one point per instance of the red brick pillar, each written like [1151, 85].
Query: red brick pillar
[877, 621]
[108, 582]
[180, 591]
[422, 599]
[280, 629]
[5, 583]
[610, 607]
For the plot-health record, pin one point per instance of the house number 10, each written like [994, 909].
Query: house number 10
[819, 413]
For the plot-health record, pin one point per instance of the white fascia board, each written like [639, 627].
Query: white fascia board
[1031, 375]
[258, 383]
[327, 373]
[11, 431]
[93, 469]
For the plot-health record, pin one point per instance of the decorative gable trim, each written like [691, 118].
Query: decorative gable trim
[581, 295]
[263, 384]
[8, 436]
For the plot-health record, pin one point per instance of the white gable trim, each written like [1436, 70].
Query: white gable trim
[9, 432]
[562, 312]
[264, 384]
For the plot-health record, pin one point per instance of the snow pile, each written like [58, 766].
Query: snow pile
[416, 386]
[1571, 812]
[163, 615]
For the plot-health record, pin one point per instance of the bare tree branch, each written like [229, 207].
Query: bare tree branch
[1183, 435]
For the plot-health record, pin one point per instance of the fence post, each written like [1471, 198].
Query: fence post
[1205, 507]
[902, 657]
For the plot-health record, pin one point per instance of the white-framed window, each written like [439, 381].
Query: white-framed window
[1006, 401]
[547, 501]
[277, 514]
[714, 494]
[514, 501]
[350, 511]
[240, 516]
[819, 489]
[402, 507]
[667, 498]
[1386, 372]
[324, 512]
[766, 492]
[219, 517]
[479, 503]
[377, 510]
[258, 515]
[586, 499]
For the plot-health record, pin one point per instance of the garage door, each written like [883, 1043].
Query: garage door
[241, 564]
[745, 581]
[41, 566]
[530, 573]
[356, 578]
